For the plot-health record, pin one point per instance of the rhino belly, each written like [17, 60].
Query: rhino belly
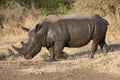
[79, 43]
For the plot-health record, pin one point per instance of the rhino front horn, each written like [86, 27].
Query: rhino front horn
[17, 49]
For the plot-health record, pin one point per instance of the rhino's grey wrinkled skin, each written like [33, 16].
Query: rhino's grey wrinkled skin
[62, 33]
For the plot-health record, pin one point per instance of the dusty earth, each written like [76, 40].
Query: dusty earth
[38, 71]
[76, 67]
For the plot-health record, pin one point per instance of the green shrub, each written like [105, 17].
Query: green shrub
[48, 7]
[1, 15]
[2, 56]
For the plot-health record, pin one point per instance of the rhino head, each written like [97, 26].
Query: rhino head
[33, 46]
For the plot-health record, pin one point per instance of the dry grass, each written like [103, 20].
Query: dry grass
[109, 9]
[15, 18]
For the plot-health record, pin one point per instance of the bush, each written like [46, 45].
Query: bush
[52, 6]
[47, 7]
[2, 56]
[1, 15]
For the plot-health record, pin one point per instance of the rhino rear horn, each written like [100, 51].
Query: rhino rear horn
[23, 44]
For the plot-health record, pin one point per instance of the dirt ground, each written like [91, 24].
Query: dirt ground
[76, 67]
[14, 72]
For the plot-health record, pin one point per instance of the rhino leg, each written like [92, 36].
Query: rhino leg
[64, 55]
[58, 47]
[52, 55]
[56, 51]
[93, 49]
[104, 46]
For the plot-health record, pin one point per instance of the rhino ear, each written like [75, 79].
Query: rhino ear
[38, 27]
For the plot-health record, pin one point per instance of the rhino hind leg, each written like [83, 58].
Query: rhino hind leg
[94, 48]
[101, 42]
[104, 46]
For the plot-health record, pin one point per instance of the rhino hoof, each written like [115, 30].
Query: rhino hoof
[65, 55]
[51, 60]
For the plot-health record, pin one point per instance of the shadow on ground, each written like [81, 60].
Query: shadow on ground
[112, 48]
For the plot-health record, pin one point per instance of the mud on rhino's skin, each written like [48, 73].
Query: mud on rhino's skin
[65, 32]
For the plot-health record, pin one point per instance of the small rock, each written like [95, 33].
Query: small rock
[36, 72]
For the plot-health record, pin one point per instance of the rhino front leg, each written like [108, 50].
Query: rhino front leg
[64, 55]
[52, 54]
[58, 50]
